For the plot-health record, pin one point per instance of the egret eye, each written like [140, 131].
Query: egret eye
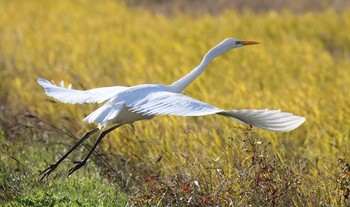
[238, 42]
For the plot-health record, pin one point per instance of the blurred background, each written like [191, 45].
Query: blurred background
[302, 66]
[217, 7]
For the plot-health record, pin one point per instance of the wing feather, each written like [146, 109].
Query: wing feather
[167, 103]
[273, 120]
[68, 95]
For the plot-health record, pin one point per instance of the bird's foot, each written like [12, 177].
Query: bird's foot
[48, 171]
[78, 165]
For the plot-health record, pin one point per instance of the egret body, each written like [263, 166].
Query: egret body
[125, 105]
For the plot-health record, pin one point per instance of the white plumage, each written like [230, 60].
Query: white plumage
[129, 104]
[124, 105]
[68, 95]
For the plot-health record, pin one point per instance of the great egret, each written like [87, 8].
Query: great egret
[125, 105]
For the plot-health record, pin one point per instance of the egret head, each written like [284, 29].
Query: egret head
[234, 43]
[224, 46]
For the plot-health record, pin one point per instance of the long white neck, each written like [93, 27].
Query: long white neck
[182, 83]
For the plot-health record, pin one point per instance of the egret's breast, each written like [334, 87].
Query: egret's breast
[128, 117]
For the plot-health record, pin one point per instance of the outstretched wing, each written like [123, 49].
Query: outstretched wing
[273, 120]
[166, 103]
[68, 95]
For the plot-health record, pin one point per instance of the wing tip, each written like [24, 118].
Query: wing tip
[42, 81]
[299, 120]
[272, 120]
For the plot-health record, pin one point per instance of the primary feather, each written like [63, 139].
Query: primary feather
[273, 120]
[68, 95]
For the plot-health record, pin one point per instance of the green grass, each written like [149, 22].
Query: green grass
[21, 161]
[301, 67]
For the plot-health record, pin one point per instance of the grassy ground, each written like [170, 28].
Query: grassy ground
[301, 67]
[26, 149]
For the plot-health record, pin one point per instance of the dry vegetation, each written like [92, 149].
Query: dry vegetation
[302, 67]
[198, 7]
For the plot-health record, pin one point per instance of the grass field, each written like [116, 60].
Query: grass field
[301, 67]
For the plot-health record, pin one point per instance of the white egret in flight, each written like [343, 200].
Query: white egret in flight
[125, 105]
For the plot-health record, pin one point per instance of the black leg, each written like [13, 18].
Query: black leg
[79, 164]
[52, 167]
